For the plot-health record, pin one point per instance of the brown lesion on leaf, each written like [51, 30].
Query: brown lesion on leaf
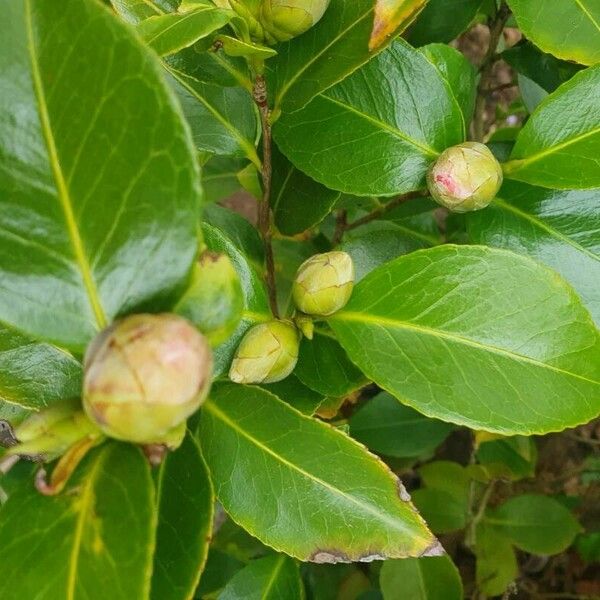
[434, 549]
[329, 557]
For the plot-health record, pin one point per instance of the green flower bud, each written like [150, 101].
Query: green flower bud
[144, 376]
[283, 20]
[465, 177]
[323, 284]
[267, 353]
[213, 302]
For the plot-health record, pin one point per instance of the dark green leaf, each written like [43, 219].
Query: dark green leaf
[68, 268]
[93, 542]
[475, 336]
[135, 11]
[559, 145]
[569, 30]
[390, 428]
[220, 568]
[33, 375]
[531, 93]
[432, 578]
[298, 201]
[536, 524]
[324, 55]
[270, 578]
[324, 366]
[185, 501]
[295, 393]
[222, 119]
[303, 487]
[442, 21]
[558, 228]
[220, 177]
[513, 457]
[352, 138]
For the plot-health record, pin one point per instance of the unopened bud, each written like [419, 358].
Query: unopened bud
[286, 19]
[323, 284]
[267, 353]
[464, 178]
[145, 375]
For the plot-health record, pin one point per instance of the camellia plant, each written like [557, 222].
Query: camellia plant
[357, 388]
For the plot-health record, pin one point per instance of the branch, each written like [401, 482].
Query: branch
[264, 207]
[385, 208]
[487, 66]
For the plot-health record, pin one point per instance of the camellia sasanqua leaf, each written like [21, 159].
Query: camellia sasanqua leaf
[478, 337]
[353, 139]
[270, 578]
[559, 145]
[442, 21]
[303, 487]
[335, 47]
[135, 11]
[556, 227]
[91, 543]
[68, 269]
[185, 501]
[33, 375]
[168, 33]
[429, 578]
[569, 30]
[496, 565]
[392, 17]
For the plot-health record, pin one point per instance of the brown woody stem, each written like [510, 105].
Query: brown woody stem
[264, 207]
[382, 210]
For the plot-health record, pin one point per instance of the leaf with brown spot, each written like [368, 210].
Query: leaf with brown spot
[392, 17]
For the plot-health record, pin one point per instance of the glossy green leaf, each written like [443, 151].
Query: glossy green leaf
[220, 177]
[459, 73]
[328, 52]
[536, 524]
[478, 337]
[531, 93]
[185, 501]
[219, 569]
[93, 542]
[569, 29]
[512, 457]
[558, 228]
[270, 578]
[546, 70]
[353, 139]
[392, 429]
[33, 375]
[292, 391]
[298, 202]
[68, 268]
[301, 486]
[166, 34]
[442, 21]
[256, 305]
[222, 119]
[234, 47]
[393, 17]
[324, 366]
[135, 11]
[496, 566]
[559, 145]
[379, 246]
[432, 578]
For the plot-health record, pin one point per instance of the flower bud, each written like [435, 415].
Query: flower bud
[213, 302]
[283, 20]
[323, 284]
[144, 376]
[267, 353]
[465, 177]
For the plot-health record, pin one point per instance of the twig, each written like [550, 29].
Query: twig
[341, 223]
[583, 440]
[471, 534]
[264, 208]
[385, 208]
[487, 65]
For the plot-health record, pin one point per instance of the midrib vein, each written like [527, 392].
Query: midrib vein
[61, 186]
[588, 14]
[212, 408]
[273, 577]
[395, 324]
